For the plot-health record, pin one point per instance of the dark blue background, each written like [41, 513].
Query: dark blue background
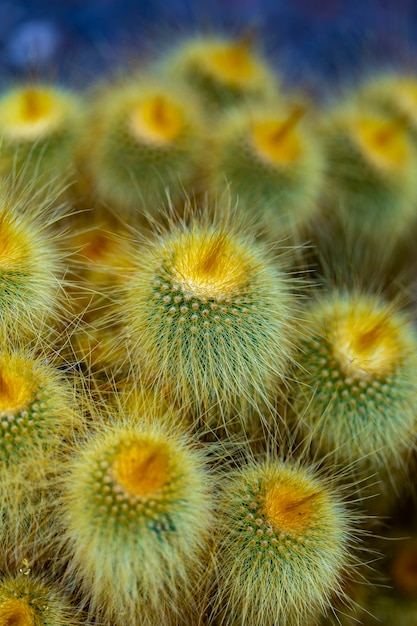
[309, 41]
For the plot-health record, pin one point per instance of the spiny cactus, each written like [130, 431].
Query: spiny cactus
[210, 312]
[27, 600]
[357, 384]
[394, 93]
[282, 547]
[31, 264]
[136, 509]
[371, 165]
[40, 127]
[222, 70]
[38, 422]
[146, 142]
[273, 163]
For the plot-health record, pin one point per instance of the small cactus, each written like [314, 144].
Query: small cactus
[283, 538]
[31, 267]
[223, 71]
[40, 128]
[272, 161]
[38, 421]
[211, 312]
[26, 600]
[357, 385]
[146, 142]
[136, 510]
[371, 172]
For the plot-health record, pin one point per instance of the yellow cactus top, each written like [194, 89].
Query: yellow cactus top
[156, 120]
[142, 467]
[29, 113]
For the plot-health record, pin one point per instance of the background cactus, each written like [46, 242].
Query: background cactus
[146, 143]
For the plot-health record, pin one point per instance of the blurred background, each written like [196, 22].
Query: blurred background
[311, 41]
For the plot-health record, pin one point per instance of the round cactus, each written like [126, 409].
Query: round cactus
[273, 163]
[395, 93]
[31, 267]
[211, 314]
[371, 172]
[136, 510]
[26, 600]
[357, 384]
[40, 127]
[222, 71]
[146, 143]
[282, 546]
[38, 420]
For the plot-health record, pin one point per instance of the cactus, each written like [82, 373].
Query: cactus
[282, 545]
[38, 423]
[31, 266]
[200, 321]
[371, 172]
[210, 312]
[40, 127]
[136, 512]
[273, 163]
[222, 70]
[146, 143]
[357, 384]
[27, 600]
[395, 93]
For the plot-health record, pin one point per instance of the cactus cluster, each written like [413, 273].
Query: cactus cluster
[208, 371]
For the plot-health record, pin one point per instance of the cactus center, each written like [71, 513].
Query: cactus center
[230, 64]
[277, 141]
[15, 390]
[289, 507]
[142, 468]
[210, 266]
[382, 142]
[157, 120]
[30, 113]
[366, 343]
[15, 612]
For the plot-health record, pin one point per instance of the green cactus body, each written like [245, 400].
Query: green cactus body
[40, 128]
[210, 313]
[29, 601]
[37, 423]
[356, 389]
[371, 172]
[30, 267]
[222, 71]
[272, 162]
[394, 93]
[136, 505]
[283, 537]
[146, 142]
